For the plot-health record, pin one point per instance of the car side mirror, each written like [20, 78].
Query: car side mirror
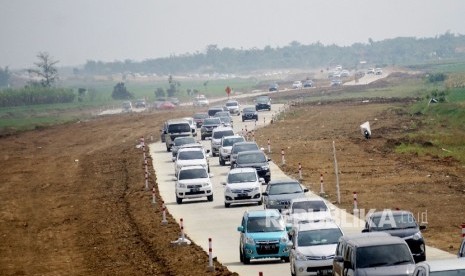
[240, 229]
[423, 227]
[265, 194]
[207, 151]
[261, 180]
[223, 183]
[305, 190]
[338, 259]
[268, 159]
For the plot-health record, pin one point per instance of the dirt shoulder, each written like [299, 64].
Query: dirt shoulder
[73, 203]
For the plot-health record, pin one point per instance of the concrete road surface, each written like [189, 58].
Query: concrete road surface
[203, 219]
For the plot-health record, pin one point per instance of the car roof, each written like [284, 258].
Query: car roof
[191, 145]
[241, 170]
[250, 152]
[245, 143]
[184, 137]
[444, 264]
[222, 128]
[177, 121]
[185, 168]
[182, 149]
[262, 213]
[317, 225]
[372, 239]
[393, 212]
[282, 181]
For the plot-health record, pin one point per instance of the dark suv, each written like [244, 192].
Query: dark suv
[213, 110]
[207, 127]
[401, 224]
[263, 103]
[254, 159]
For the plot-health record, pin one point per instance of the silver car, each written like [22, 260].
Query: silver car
[279, 193]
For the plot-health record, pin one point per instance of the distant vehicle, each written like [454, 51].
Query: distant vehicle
[191, 122]
[140, 103]
[273, 87]
[372, 254]
[199, 118]
[166, 106]
[336, 82]
[239, 147]
[279, 193]
[313, 247]
[200, 100]
[444, 267]
[371, 71]
[173, 129]
[263, 234]
[227, 121]
[207, 127]
[378, 71]
[344, 74]
[233, 107]
[254, 159]
[214, 109]
[307, 209]
[401, 224]
[249, 113]
[126, 106]
[217, 134]
[263, 103]
[191, 157]
[226, 144]
[193, 182]
[174, 101]
[297, 85]
[242, 186]
[309, 83]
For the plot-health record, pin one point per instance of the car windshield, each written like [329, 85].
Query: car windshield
[389, 221]
[383, 255]
[200, 116]
[319, 237]
[220, 134]
[242, 177]
[231, 104]
[265, 224]
[230, 141]
[244, 147]
[179, 128]
[183, 140]
[225, 120]
[285, 188]
[193, 174]
[308, 206]
[191, 155]
[251, 158]
[212, 121]
[249, 109]
[222, 114]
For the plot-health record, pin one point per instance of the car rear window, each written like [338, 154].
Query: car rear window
[179, 128]
[251, 158]
[231, 141]
[383, 255]
[190, 155]
[220, 134]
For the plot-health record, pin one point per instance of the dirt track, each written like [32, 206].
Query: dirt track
[72, 198]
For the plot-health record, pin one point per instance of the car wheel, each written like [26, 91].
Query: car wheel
[178, 200]
[246, 260]
[222, 162]
[260, 203]
[210, 198]
[243, 119]
[167, 149]
[202, 137]
[241, 256]
[226, 205]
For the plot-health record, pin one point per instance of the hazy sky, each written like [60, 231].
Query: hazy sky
[74, 31]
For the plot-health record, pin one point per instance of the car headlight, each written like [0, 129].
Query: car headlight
[417, 236]
[182, 186]
[249, 240]
[299, 256]
[273, 202]
[205, 184]
[284, 239]
[265, 167]
[227, 190]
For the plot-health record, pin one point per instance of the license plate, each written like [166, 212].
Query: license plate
[195, 190]
[241, 195]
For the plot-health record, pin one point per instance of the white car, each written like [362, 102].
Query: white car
[242, 186]
[378, 71]
[233, 107]
[200, 100]
[443, 267]
[217, 134]
[307, 209]
[193, 182]
[193, 125]
[226, 145]
[297, 85]
[191, 157]
[313, 247]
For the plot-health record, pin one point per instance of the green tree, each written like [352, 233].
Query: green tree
[4, 76]
[46, 69]
[159, 93]
[121, 93]
[174, 85]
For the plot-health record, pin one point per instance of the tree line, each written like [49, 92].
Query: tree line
[396, 51]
